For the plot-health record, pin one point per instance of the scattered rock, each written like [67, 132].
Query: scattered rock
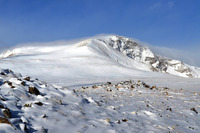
[191, 128]
[170, 109]
[94, 87]
[8, 82]
[153, 87]
[2, 73]
[27, 78]
[132, 87]
[166, 93]
[12, 87]
[6, 113]
[193, 109]
[33, 90]
[118, 121]
[83, 87]
[27, 105]
[60, 102]
[109, 83]
[124, 120]
[5, 121]
[23, 83]
[1, 106]
[39, 103]
[44, 116]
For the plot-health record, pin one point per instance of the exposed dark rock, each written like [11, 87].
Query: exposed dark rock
[2, 73]
[124, 120]
[109, 83]
[8, 82]
[6, 113]
[5, 121]
[1, 98]
[27, 78]
[27, 105]
[193, 109]
[23, 83]
[1, 106]
[39, 103]
[33, 90]
[170, 109]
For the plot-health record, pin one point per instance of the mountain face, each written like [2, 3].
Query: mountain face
[155, 62]
[106, 51]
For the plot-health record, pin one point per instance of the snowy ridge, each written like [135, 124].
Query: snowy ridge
[136, 51]
[108, 50]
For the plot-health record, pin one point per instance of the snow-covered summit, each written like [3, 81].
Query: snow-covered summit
[109, 50]
[138, 52]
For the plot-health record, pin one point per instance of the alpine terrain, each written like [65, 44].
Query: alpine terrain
[105, 84]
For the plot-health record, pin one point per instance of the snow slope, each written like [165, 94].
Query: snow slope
[81, 61]
[100, 57]
[128, 106]
[137, 51]
[137, 100]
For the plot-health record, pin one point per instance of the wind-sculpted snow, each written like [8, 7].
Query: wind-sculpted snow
[99, 55]
[136, 51]
[30, 105]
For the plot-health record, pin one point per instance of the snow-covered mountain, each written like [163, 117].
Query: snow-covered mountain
[109, 84]
[107, 51]
[136, 51]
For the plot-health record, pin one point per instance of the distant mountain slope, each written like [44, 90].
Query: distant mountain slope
[97, 56]
[136, 51]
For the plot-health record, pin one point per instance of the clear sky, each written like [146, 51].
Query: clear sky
[166, 23]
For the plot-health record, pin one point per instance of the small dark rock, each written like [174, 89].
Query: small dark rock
[124, 120]
[5, 121]
[170, 109]
[8, 82]
[39, 103]
[27, 78]
[33, 90]
[2, 73]
[153, 87]
[27, 105]
[94, 87]
[44, 116]
[132, 87]
[23, 83]
[19, 79]
[109, 83]
[12, 87]
[118, 121]
[1, 106]
[1, 98]
[6, 113]
[193, 109]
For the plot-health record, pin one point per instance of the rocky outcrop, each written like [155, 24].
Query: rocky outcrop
[136, 51]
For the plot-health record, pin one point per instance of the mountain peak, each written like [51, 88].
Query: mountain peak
[115, 49]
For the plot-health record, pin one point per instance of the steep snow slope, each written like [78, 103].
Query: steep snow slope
[136, 51]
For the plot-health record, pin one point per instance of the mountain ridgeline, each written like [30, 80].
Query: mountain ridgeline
[111, 49]
[136, 51]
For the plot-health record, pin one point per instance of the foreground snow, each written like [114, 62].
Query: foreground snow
[128, 106]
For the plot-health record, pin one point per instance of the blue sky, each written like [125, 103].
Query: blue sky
[165, 23]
